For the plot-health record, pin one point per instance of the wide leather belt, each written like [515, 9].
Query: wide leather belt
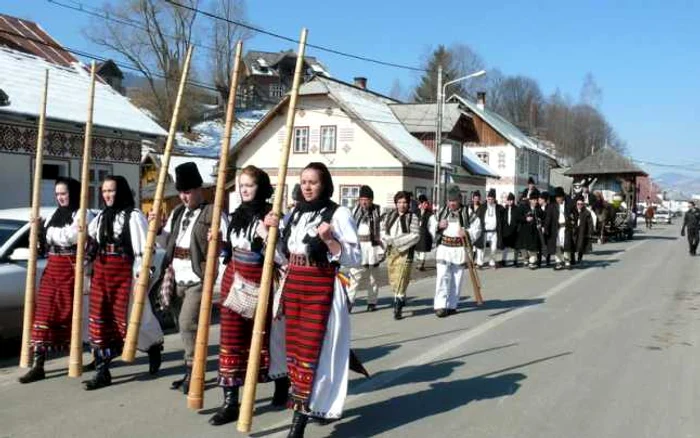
[303, 260]
[181, 253]
[452, 242]
[62, 250]
[112, 249]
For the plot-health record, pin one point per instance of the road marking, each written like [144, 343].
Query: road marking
[442, 349]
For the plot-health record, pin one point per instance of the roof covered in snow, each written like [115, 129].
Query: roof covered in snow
[475, 166]
[509, 131]
[373, 111]
[206, 137]
[22, 79]
[265, 63]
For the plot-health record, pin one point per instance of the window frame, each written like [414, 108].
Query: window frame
[295, 137]
[334, 129]
[502, 158]
[484, 156]
[94, 186]
[351, 198]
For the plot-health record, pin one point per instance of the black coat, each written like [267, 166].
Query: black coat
[529, 234]
[582, 231]
[481, 214]
[551, 226]
[510, 230]
[425, 243]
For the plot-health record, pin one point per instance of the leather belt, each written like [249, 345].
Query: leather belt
[365, 238]
[112, 249]
[303, 260]
[62, 250]
[181, 253]
[452, 242]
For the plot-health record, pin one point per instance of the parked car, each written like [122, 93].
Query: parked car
[662, 216]
[14, 253]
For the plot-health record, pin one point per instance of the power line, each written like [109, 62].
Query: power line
[293, 40]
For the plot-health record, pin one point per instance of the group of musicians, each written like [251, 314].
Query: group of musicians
[306, 351]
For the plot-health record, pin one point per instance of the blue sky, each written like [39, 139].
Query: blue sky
[644, 55]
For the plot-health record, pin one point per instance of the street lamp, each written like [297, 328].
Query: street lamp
[442, 90]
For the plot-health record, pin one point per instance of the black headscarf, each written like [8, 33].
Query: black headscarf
[123, 201]
[324, 198]
[64, 215]
[257, 208]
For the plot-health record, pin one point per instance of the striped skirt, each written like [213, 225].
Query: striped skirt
[51, 330]
[110, 291]
[236, 331]
[307, 299]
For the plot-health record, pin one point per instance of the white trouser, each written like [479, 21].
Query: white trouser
[505, 251]
[420, 256]
[363, 279]
[447, 285]
[491, 243]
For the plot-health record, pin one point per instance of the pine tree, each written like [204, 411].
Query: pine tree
[426, 91]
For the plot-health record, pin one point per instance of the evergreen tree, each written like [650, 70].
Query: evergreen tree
[426, 91]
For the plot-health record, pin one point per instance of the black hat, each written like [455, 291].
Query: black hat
[536, 195]
[296, 193]
[511, 197]
[422, 198]
[579, 198]
[531, 180]
[559, 192]
[187, 177]
[476, 193]
[366, 192]
[491, 194]
[454, 194]
[544, 195]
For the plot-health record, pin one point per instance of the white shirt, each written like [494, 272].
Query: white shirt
[67, 235]
[138, 228]
[562, 217]
[490, 218]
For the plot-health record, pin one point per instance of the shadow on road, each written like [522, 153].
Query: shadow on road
[654, 237]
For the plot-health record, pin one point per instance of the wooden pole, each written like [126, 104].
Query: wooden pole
[245, 418]
[473, 275]
[75, 360]
[25, 355]
[195, 397]
[132, 332]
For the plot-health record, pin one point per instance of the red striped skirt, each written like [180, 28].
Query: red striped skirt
[307, 299]
[54, 305]
[236, 331]
[110, 291]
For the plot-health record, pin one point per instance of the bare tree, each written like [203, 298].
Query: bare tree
[519, 99]
[224, 36]
[457, 60]
[153, 35]
[591, 93]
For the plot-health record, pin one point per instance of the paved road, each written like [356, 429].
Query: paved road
[606, 351]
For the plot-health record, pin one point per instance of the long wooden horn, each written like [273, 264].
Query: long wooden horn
[75, 360]
[195, 397]
[245, 419]
[24, 358]
[132, 332]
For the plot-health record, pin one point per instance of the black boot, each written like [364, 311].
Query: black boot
[36, 373]
[102, 377]
[298, 425]
[398, 308]
[281, 396]
[155, 358]
[228, 412]
[183, 383]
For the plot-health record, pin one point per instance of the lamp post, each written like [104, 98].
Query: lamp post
[442, 89]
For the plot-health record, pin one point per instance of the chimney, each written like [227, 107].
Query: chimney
[481, 100]
[360, 82]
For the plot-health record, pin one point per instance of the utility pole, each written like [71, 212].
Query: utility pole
[438, 140]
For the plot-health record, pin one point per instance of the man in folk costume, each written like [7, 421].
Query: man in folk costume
[530, 238]
[400, 233]
[589, 199]
[366, 215]
[691, 222]
[186, 239]
[544, 201]
[425, 243]
[491, 219]
[558, 227]
[450, 231]
[474, 204]
[528, 191]
[582, 230]
[511, 222]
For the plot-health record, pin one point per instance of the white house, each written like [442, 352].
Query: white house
[119, 128]
[357, 135]
[505, 148]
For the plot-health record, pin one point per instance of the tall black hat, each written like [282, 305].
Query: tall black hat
[366, 192]
[559, 192]
[531, 180]
[511, 197]
[491, 194]
[187, 177]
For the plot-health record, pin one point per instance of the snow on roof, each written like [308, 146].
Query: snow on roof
[509, 131]
[374, 111]
[475, 165]
[22, 79]
[209, 134]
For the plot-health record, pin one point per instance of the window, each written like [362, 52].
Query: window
[349, 195]
[483, 156]
[301, 140]
[97, 174]
[328, 139]
[501, 160]
[522, 162]
[50, 171]
[533, 164]
[276, 91]
[421, 191]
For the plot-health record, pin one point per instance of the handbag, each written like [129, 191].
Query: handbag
[243, 297]
[167, 287]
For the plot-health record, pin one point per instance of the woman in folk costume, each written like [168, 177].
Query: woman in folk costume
[366, 216]
[53, 314]
[425, 243]
[317, 237]
[491, 218]
[450, 231]
[530, 238]
[120, 235]
[241, 280]
[400, 233]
